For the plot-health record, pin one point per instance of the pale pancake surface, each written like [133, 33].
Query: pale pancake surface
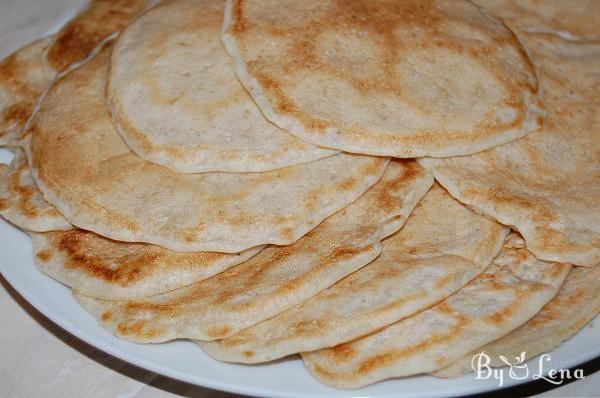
[576, 304]
[575, 19]
[176, 101]
[511, 291]
[546, 185]
[103, 268]
[22, 203]
[277, 278]
[396, 78]
[26, 74]
[84, 168]
[442, 246]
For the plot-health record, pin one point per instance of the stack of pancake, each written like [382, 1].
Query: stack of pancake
[383, 187]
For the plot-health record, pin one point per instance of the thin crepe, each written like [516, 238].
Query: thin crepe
[511, 291]
[276, 279]
[97, 266]
[576, 304]
[401, 78]
[84, 168]
[574, 19]
[25, 74]
[175, 99]
[546, 185]
[22, 203]
[106, 269]
[440, 249]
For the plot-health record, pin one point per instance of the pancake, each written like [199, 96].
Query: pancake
[441, 248]
[546, 185]
[576, 304]
[511, 291]
[26, 74]
[111, 270]
[84, 168]
[96, 266]
[277, 278]
[396, 78]
[22, 203]
[574, 19]
[176, 102]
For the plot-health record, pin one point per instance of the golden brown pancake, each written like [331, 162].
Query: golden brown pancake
[26, 74]
[84, 168]
[402, 78]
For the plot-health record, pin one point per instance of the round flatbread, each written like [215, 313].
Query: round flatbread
[442, 246]
[575, 305]
[511, 291]
[22, 203]
[26, 74]
[396, 78]
[175, 99]
[277, 278]
[546, 185]
[84, 168]
[107, 269]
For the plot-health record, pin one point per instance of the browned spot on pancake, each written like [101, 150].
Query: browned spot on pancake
[540, 121]
[341, 253]
[18, 112]
[240, 24]
[287, 234]
[400, 302]
[348, 183]
[190, 236]
[134, 307]
[23, 194]
[394, 355]
[386, 198]
[318, 369]
[123, 270]
[106, 316]
[139, 329]
[72, 45]
[218, 332]
[308, 326]
[344, 352]
[554, 310]
[500, 195]
[44, 255]
[80, 36]
[3, 204]
[248, 354]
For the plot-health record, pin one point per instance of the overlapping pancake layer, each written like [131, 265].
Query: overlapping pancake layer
[576, 303]
[511, 291]
[84, 168]
[277, 278]
[26, 74]
[107, 269]
[442, 247]
[176, 101]
[546, 185]
[22, 203]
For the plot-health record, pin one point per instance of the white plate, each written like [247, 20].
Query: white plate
[185, 361]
